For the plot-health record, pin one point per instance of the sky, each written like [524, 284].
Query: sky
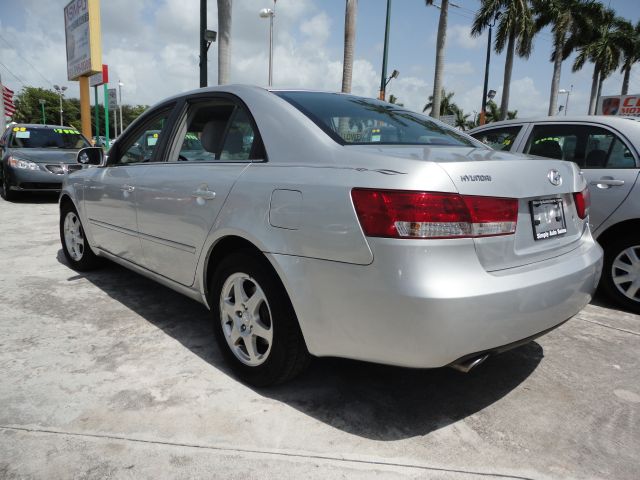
[152, 47]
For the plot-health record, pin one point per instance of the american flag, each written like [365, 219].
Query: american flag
[7, 98]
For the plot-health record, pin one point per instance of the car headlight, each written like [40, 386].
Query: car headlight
[22, 164]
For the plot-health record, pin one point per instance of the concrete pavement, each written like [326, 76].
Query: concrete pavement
[109, 375]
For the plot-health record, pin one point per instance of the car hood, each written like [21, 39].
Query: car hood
[438, 153]
[45, 155]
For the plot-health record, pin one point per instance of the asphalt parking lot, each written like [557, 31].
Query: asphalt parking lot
[109, 375]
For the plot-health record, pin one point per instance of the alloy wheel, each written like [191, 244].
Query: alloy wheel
[73, 236]
[246, 319]
[625, 272]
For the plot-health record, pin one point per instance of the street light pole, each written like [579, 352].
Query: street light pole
[383, 76]
[270, 13]
[60, 91]
[483, 110]
[120, 84]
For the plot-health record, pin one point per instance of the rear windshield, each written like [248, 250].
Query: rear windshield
[36, 137]
[365, 121]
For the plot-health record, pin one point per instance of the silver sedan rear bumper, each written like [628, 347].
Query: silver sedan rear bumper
[429, 303]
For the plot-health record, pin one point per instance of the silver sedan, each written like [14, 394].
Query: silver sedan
[324, 224]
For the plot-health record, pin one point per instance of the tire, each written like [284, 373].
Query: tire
[621, 272]
[74, 241]
[258, 333]
[5, 192]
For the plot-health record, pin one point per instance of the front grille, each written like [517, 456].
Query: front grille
[40, 186]
[59, 168]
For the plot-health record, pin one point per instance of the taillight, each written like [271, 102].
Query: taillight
[583, 202]
[402, 214]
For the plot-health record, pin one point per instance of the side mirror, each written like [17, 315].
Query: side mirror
[91, 156]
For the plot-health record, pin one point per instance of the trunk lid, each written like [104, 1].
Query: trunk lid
[540, 201]
[483, 172]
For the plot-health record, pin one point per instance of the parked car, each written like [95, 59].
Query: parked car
[35, 158]
[606, 149]
[416, 246]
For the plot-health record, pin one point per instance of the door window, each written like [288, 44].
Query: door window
[499, 138]
[588, 146]
[217, 131]
[140, 146]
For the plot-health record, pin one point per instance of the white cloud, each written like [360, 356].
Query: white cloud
[460, 35]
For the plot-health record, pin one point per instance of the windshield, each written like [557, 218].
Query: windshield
[191, 142]
[365, 121]
[38, 137]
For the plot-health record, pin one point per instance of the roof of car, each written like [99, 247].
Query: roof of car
[606, 119]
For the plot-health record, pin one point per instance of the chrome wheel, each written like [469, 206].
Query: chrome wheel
[73, 237]
[625, 272]
[246, 319]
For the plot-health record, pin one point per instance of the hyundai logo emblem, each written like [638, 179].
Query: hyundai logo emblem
[554, 177]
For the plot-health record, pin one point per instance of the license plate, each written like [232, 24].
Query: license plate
[547, 216]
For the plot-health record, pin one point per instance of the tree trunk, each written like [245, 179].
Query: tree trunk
[600, 82]
[594, 90]
[439, 72]
[506, 83]
[224, 41]
[349, 43]
[625, 80]
[555, 79]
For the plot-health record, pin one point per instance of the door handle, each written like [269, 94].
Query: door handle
[127, 188]
[203, 192]
[605, 183]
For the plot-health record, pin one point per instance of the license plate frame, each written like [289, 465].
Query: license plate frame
[548, 218]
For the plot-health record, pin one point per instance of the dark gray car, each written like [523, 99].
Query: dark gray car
[35, 158]
[607, 150]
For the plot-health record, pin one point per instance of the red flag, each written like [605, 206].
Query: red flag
[7, 98]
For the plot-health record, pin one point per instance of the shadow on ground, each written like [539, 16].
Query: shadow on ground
[371, 401]
[36, 197]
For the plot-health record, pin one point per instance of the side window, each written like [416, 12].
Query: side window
[499, 138]
[140, 147]
[605, 150]
[240, 139]
[200, 139]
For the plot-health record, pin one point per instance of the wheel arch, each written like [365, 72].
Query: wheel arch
[233, 242]
[614, 232]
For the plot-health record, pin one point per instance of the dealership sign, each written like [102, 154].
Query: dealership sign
[82, 32]
[622, 105]
[100, 78]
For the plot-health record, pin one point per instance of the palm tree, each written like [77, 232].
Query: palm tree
[569, 20]
[631, 55]
[447, 107]
[224, 40]
[494, 113]
[351, 10]
[440, 43]
[462, 120]
[603, 48]
[515, 31]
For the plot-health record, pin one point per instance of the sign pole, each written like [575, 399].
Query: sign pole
[106, 114]
[95, 108]
[85, 106]
[2, 117]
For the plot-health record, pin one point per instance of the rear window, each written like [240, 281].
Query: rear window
[36, 137]
[365, 121]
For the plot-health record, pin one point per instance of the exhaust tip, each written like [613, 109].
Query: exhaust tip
[467, 365]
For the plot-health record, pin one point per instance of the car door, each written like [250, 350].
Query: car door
[110, 194]
[179, 200]
[607, 162]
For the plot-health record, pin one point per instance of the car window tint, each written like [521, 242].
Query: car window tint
[238, 143]
[355, 120]
[605, 150]
[140, 148]
[589, 146]
[201, 141]
[46, 137]
[499, 138]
